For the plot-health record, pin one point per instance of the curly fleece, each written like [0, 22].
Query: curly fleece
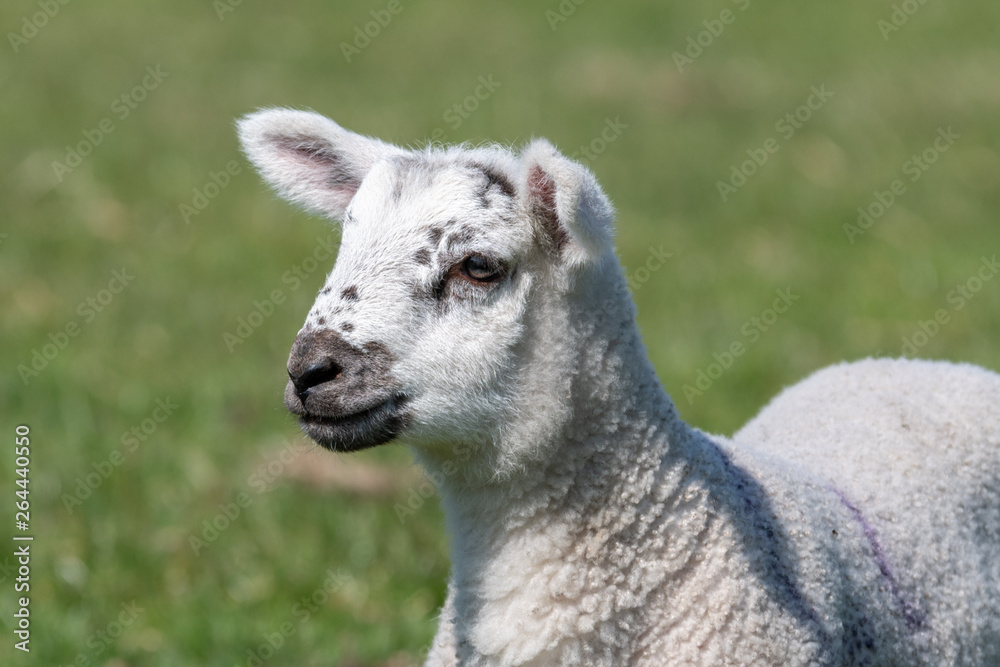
[855, 521]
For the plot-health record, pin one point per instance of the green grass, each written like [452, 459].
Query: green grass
[162, 336]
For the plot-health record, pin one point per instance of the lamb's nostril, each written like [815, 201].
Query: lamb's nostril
[316, 374]
[319, 363]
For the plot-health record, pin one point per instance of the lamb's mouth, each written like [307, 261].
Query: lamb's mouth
[371, 426]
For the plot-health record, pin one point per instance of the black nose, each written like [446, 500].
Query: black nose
[318, 372]
[317, 357]
[344, 395]
[329, 377]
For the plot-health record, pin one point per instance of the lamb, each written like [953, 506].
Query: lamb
[477, 312]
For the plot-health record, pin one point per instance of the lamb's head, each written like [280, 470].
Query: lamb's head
[456, 271]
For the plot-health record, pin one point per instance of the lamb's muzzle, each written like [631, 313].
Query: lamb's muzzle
[345, 397]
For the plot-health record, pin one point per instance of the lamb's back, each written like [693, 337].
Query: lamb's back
[913, 450]
[894, 424]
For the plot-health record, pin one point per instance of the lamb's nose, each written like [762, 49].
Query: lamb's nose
[319, 372]
[314, 360]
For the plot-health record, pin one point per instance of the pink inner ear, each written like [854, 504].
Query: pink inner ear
[318, 156]
[542, 197]
[319, 163]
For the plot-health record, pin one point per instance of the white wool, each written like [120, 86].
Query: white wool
[855, 521]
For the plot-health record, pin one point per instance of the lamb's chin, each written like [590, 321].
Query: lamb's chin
[371, 427]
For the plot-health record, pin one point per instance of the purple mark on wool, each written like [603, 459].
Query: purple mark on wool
[914, 617]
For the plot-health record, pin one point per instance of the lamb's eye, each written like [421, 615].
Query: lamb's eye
[479, 269]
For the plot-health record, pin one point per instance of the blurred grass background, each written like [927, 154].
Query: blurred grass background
[379, 580]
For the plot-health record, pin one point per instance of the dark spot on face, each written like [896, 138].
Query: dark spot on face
[422, 257]
[350, 293]
[494, 181]
[321, 321]
[495, 178]
[326, 290]
[437, 290]
[543, 207]
[417, 291]
[462, 236]
[435, 234]
[347, 326]
[484, 201]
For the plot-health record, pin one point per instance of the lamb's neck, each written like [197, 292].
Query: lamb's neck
[595, 417]
[553, 528]
[621, 436]
[535, 556]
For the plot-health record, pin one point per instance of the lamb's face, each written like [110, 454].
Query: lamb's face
[421, 314]
[420, 330]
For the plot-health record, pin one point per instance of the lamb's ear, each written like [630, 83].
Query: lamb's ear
[564, 198]
[308, 158]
